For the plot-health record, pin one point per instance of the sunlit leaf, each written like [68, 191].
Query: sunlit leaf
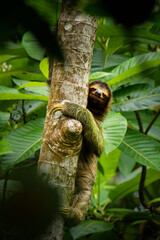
[32, 84]
[44, 67]
[133, 66]
[98, 75]
[12, 93]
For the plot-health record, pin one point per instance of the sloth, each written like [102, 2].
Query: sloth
[99, 101]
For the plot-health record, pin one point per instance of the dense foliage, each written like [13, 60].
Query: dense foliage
[129, 61]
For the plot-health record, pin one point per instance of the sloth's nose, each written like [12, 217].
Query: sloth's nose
[98, 93]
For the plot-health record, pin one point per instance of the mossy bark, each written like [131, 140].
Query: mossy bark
[62, 138]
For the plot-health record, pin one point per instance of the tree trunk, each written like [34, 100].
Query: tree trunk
[62, 138]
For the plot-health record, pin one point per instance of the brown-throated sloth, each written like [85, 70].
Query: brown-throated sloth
[99, 100]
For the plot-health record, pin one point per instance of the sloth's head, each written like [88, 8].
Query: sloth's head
[99, 99]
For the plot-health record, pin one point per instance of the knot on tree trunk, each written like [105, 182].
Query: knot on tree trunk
[65, 138]
[71, 130]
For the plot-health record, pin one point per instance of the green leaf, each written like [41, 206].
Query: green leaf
[4, 58]
[132, 91]
[15, 67]
[32, 84]
[131, 184]
[98, 75]
[4, 117]
[24, 141]
[101, 60]
[4, 147]
[109, 163]
[12, 93]
[143, 149]
[133, 66]
[37, 87]
[128, 213]
[44, 67]
[139, 34]
[88, 227]
[136, 98]
[29, 76]
[13, 50]
[32, 46]
[114, 128]
[126, 164]
[154, 200]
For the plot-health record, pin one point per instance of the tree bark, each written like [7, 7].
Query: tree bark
[62, 138]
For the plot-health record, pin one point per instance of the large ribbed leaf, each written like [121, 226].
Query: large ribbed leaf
[142, 149]
[133, 66]
[88, 227]
[12, 93]
[132, 91]
[114, 128]
[4, 147]
[4, 116]
[136, 98]
[24, 141]
[132, 183]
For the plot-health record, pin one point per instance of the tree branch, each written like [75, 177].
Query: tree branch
[139, 121]
[151, 123]
[144, 169]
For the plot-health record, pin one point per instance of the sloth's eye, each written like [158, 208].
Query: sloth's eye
[104, 96]
[92, 89]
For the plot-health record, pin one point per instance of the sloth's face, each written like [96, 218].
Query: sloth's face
[99, 98]
[98, 93]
